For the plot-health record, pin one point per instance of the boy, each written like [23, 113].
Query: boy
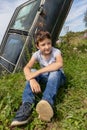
[51, 73]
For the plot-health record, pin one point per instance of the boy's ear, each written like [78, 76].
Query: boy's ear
[37, 46]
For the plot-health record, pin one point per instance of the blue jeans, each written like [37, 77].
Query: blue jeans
[53, 81]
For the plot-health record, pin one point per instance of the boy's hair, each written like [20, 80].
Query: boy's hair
[41, 35]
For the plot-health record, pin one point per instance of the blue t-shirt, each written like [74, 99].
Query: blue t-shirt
[45, 62]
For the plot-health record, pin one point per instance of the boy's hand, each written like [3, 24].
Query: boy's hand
[35, 86]
[31, 75]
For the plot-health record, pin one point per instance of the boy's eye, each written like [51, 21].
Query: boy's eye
[49, 43]
[43, 44]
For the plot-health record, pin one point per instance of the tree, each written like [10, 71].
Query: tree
[85, 18]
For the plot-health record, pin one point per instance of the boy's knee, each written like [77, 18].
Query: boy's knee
[55, 73]
[33, 70]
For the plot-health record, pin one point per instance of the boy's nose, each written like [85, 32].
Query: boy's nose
[47, 46]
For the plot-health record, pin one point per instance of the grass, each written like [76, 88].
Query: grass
[71, 103]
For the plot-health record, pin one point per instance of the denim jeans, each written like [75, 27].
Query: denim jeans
[53, 81]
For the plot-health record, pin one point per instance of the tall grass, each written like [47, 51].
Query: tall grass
[71, 103]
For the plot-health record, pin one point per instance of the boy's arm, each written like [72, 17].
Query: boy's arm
[51, 67]
[35, 87]
[54, 66]
[27, 68]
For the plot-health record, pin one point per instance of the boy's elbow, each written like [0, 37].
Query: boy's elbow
[25, 67]
[61, 65]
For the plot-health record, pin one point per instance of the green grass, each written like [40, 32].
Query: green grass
[71, 103]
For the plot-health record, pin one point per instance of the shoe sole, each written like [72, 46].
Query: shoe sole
[17, 123]
[44, 110]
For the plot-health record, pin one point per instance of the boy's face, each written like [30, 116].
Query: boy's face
[45, 46]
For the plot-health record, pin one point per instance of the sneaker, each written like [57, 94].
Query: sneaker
[22, 115]
[44, 110]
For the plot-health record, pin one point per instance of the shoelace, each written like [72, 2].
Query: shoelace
[24, 110]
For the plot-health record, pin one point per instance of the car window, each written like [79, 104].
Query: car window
[25, 16]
